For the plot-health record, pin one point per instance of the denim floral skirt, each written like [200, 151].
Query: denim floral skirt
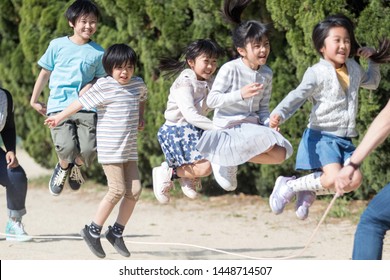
[178, 143]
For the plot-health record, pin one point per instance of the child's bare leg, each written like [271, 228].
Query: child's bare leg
[201, 168]
[189, 176]
[103, 212]
[79, 161]
[63, 163]
[275, 155]
[125, 210]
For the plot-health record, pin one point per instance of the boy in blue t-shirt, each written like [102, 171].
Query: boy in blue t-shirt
[71, 64]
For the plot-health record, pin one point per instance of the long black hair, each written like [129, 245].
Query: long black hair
[173, 66]
[245, 31]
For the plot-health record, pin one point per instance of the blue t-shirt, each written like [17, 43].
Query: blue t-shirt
[72, 66]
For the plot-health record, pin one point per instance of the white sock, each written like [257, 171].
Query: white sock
[310, 182]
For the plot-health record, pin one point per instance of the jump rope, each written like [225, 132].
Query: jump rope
[300, 253]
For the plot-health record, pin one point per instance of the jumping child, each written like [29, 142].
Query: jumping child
[240, 96]
[119, 99]
[332, 86]
[186, 120]
[71, 64]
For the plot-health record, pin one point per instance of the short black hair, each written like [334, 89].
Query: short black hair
[116, 55]
[80, 8]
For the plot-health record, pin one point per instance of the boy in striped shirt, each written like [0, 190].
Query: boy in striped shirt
[119, 99]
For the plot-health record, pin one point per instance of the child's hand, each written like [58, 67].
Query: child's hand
[365, 52]
[40, 108]
[274, 121]
[251, 90]
[11, 159]
[52, 121]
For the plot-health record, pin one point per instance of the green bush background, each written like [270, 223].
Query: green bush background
[156, 28]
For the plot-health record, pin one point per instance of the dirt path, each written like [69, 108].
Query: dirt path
[240, 225]
[219, 228]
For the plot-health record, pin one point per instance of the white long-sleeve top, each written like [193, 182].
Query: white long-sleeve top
[186, 101]
[225, 95]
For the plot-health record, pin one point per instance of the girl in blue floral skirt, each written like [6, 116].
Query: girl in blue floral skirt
[186, 119]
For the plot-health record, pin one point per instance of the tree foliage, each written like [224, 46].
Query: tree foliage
[157, 28]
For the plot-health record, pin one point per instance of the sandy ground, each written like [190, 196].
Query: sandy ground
[218, 228]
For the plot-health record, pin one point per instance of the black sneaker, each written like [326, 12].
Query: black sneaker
[57, 180]
[75, 177]
[93, 243]
[117, 242]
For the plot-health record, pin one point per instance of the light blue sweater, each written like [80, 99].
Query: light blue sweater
[334, 110]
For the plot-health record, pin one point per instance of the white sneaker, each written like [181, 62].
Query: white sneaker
[189, 186]
[304, 200]
[226, 176]
[162, 183]
[281, 195]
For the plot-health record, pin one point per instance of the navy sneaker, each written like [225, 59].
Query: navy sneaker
[117, 242]
[57, 180]
[75, 177]
[93, 243]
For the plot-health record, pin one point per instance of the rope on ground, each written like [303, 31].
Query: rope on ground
[308, 242]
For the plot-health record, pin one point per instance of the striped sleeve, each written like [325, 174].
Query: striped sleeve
[95, 97]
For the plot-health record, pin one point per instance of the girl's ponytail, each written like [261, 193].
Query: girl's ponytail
[383, 53]
[171, 66]
[232, 10]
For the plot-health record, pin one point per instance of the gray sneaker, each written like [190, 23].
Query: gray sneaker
[57, 180]
[117, 242]
[93, 243]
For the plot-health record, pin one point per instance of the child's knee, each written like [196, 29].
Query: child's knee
[88, 156]
[135, 192]
[280, 157]
[279, 154]
[205, 170]
[66, 152]
[113, 196]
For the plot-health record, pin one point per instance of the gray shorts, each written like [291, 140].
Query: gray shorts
[76, 137]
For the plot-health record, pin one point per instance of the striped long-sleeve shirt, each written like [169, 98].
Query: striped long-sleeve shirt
[118, 115]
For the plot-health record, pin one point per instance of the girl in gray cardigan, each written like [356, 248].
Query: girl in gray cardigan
[332, 87]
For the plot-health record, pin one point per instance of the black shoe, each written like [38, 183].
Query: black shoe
[92, 242]
[117, 242]
[57, 180]
[75, 177]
